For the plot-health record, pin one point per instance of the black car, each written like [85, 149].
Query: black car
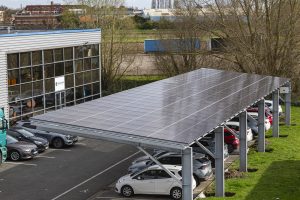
[24, 135]
[20, 150]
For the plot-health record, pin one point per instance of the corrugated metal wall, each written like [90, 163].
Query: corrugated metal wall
[35, 41]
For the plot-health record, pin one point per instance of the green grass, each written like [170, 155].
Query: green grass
[278, 175]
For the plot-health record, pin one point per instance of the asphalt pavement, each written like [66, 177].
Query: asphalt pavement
[74, 173]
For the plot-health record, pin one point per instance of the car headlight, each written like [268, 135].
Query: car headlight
[68, 137]
[38, 142]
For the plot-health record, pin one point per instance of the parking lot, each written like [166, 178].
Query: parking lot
[76, 173]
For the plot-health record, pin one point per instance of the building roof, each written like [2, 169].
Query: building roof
[171, 113]
[15, 33]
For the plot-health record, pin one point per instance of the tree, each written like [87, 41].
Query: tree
[69, 20]
[116, 53]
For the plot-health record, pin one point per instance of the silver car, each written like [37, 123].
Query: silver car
[202, 169]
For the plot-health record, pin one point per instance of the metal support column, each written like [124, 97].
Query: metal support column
[275, 124]
[287, 111]
[219, 161]
[187, 173]
[243, 141]
[261, 126]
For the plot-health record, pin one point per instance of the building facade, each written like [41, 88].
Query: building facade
[2, 16]
[44, 71]
[163, 4]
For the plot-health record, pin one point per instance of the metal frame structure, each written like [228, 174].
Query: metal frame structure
[184, 118]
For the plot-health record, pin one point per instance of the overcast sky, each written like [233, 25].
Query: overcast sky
[18, 3]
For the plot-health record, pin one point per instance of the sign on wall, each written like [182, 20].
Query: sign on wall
[59, 83]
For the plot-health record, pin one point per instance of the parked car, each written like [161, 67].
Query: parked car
[269, 103]
[202, 169]
[156, 153]
[233, 143]
[251, 123]
[267, 121]
[209, 143]
[17, 150]
[56, 140]
[24, 135]
[152, 180]
[236, 126]
[268, 113]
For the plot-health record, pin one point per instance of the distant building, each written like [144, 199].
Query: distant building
[2, 16]
[43, 16]
[157, 14]
[162, 4]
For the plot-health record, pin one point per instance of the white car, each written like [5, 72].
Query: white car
[236, 127]
[269, 103]
[255, 116]
[152, 180]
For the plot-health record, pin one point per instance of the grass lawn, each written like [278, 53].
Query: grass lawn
[278, 175]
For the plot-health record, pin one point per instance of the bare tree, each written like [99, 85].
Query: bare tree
[116, 56]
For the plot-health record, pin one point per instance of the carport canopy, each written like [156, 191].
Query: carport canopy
[168, 114]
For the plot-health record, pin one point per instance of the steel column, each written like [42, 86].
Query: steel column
[288, 105]
[261, 126]
[219, 161]
[187, 173]
[275, 125]
[243, 141]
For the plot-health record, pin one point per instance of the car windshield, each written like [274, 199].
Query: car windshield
[11, 140]
[25, 133]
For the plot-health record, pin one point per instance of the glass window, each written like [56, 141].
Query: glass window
[79, 65]
[37, 88]
[50, 100]
[37, 72]
[95, 63]
[49, 71]
[26, 90]
[48, 56]
[59, 69]
[96, 88]
[38, 103]
[79, 78]
[87, 77]
[79, 52]
[79, 92]
[13, 77]
[87, 50]
[95, 50]
[87, 90]
[70, 94]
[26, 74]
[13, 93]
[25, 59]
[95, 76]
[68, 53]
[58, 54]
[161, 174]
[37, 58]
[12, 61]
[69, 81]
[14, 109]
[69, 67]
[70, 103]
[49, 85]
[87, 64]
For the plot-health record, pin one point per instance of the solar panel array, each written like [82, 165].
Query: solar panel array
[179, 109]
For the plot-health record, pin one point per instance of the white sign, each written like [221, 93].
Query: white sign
[59, 83]
[284, 90]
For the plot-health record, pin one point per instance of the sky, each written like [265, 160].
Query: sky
[18, 3]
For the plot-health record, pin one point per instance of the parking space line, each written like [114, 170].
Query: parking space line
[21, 163]
[62, 150]
[87, 180]
[51, 157]
[80, 143]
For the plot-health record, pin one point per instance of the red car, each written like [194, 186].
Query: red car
[268, 114]
[231, 140]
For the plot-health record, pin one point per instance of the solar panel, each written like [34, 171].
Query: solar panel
[178, 109]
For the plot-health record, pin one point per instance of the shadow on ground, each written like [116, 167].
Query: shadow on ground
[281, 181]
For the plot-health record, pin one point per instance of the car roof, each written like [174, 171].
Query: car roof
[169, 167]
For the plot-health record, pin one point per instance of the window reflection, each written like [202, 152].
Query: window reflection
[48, 56]
[49, 71]
[26, 75]
[37, 72]
[68, 53]
[26, 90]
[95, 63]
[69, 67]
[37, 58]
[59, 69]
[79, 65]
[13, 77]
[58, 54]
[69, 81]
[12, 61]
[13, 93]
[49, 85]
[25, 59]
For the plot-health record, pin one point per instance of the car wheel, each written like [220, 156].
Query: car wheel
[15, 156]
[176, 193]
[230, 148]
[127, 191]
[57, 143]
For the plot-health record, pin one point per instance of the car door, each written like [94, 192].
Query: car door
[144, 183]
[163, 182]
